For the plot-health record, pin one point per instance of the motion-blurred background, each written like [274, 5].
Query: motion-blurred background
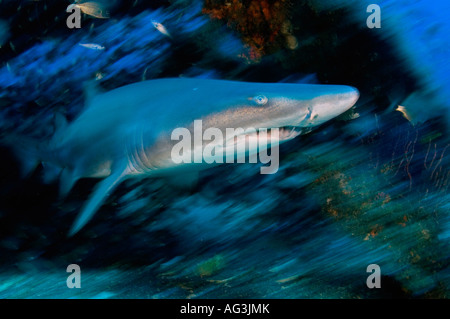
[370, 187]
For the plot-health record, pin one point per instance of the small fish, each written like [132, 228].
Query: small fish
[92, 46]
[96, 9]
[98, 76]
[405, 113]
[158, 26]
[422, 105]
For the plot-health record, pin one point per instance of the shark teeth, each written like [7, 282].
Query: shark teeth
[283, 134]
[287, 133]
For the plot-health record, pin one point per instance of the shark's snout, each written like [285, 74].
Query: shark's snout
[350, 97]
[332, 105]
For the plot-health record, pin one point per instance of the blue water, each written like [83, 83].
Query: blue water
[360, 190]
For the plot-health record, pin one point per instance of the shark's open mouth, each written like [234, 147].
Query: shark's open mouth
[274, 134]
[283, 133]
[290, 132]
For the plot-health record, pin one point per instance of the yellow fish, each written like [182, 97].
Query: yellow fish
[405, 113]
[93, 8]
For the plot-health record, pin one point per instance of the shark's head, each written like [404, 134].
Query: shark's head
[208, 113]
[333, 101]
[292, 108]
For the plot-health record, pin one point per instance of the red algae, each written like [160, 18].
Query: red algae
[262, 24]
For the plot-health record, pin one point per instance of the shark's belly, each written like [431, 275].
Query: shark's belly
[91, 155]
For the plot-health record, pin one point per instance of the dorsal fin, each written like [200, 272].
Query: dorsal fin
[59, 127]
[60, 122]
[91, 90]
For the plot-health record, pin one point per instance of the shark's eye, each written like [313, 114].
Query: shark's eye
[260, 99]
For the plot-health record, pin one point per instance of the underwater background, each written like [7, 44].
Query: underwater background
[370, 187]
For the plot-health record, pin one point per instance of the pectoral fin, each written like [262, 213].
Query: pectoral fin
[67, 180]
[102, 190]
[51, 172]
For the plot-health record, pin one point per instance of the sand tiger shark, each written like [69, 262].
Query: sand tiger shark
[126, 132]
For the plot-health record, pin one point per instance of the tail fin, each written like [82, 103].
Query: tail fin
[26, 151]
[30, 152]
